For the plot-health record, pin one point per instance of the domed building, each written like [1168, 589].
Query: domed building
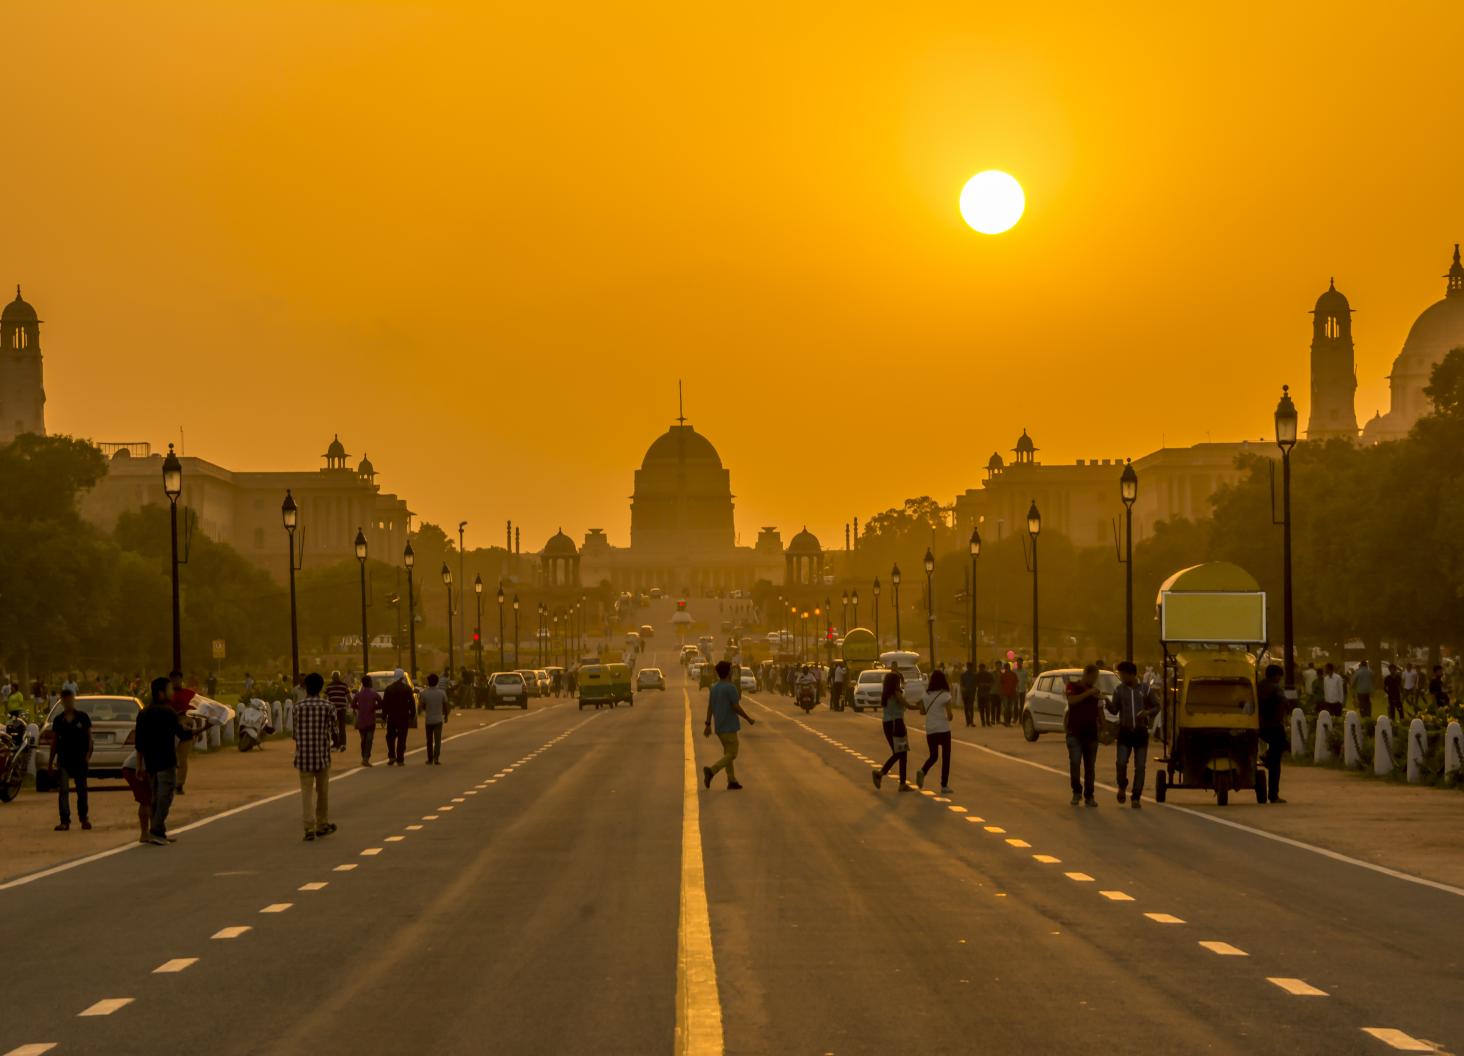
[683, 538]
[1438, 330]
[22, 387]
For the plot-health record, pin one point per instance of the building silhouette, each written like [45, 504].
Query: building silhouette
[22, 385]
[1333, 374]
[1437, 330]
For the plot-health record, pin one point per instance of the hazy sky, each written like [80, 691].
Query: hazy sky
[483, 240]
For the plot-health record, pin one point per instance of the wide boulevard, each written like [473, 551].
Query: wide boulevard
[564, 884]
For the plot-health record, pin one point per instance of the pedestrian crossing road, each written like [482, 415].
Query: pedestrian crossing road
[564, 884]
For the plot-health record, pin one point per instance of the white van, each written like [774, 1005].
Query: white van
[908, 665]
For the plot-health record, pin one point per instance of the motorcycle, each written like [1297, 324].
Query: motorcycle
[807, 696]
[254, 724]
[17, 748]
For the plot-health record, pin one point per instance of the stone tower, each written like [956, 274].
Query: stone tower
[1333, 376]
[22, 391]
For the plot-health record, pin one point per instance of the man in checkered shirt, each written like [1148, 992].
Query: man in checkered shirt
[315, 723]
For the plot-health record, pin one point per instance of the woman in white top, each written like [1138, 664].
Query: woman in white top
[936, 707]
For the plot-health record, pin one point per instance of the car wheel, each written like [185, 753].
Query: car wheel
[1029, 727]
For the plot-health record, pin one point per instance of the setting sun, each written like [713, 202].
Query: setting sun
[992, 202]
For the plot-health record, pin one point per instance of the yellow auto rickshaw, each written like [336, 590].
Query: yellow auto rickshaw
[594, 686]
[1212, 629]
[621, 689]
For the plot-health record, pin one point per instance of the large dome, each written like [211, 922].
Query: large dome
[1438, 330]
[681, 443]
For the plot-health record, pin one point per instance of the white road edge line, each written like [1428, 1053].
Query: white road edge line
[132, 845]
[698, 1007]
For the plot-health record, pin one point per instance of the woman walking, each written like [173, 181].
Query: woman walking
[892, 698]
[936, 707]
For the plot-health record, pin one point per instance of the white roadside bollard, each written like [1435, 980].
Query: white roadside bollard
[1417, 750]
[1453, 750]
[1298, 733]
[289, 716]
[276, 715]
[1352, 740]
[215, 738]
[226, 731]
[1383, 747]
[1322, 752]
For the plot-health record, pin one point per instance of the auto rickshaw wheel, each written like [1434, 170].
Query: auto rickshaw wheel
[1222, 789]
[1161, 786]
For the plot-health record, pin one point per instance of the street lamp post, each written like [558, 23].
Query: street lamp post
[554, 637]
[930, 601]
[844, 617]
[1128, 491]
[1286, 440]
[409, 558]
[173, 487]
[877, 644]
[462, 576]
[447, 582]
[975, 553]
[365, 641]
[539, 634]
[1034, 529]
[515, 630]
[895, 580]
[502, 645]
[854, 601]
[290, 514]
[478, 627]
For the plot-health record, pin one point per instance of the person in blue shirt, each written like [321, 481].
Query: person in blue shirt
[724, 708]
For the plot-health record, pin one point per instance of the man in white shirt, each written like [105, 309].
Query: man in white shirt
[1334, 691]
[1410, 684]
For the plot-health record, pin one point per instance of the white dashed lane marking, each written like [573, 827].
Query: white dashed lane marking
[1018, 843]
[414, 828]
[1116, 896]
[1163, 918]
[370, 852]
[177, 964]
[345, 868]
[1046, 859]
[314, 885]
[1224, 949]
[277, 907]
[1398, 1040]
[231, 932]
[35, 1048]
[1297, 987]
[106, 1006]
[394, 839]
[1082, 878]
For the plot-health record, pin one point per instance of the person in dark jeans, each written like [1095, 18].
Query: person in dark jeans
[892, 698]
[71, 748]
[157, 735]
[1136, 706]
[400, 706]
[1081, 728]
[1271, 711]
[969, 692]
[433, 704]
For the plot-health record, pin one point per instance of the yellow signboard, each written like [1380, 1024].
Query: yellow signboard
[218, 648]
[1220, 617]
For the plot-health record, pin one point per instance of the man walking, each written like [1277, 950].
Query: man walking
[1393, 690]
[365, 704]
[315, 730]
[1081, 728]
[1137, 705]
[1411, 682]
[158, 733]
[400, 707]
[724, 708]
[1362, 689]
[970, 687]
[71, 747]
[434, 714]
[1334, 692]
[985, 690]
[338, 695]
[1009, 685]
[1271, 711]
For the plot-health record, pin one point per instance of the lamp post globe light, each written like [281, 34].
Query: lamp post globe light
[365, 641]
[478, 627]
[895, 582]
[1286, 419]
[409, 558]
[502, 645]
[844, 617]
[975, 546]
[290, 515]
[447, 582]
[1128, 493]
[854, 602]
[173, 487]
[1034, 529]
[515, 630]
[930, 601]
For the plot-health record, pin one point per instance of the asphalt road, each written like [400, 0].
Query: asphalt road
[537, 893]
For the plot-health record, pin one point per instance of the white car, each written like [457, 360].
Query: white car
[869, 689]
[113, 720]
[694, 669]
[507, 688]
[747, 682]
[650, 678]
[908, 665]
[1046, 705]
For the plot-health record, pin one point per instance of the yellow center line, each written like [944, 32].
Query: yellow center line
[698, 1005]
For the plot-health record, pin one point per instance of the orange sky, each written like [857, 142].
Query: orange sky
[482, 241]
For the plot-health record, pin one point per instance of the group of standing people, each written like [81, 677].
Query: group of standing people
[995, 695]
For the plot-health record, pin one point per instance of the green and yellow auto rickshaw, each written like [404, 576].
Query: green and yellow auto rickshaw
[620, 684]
[594, 686]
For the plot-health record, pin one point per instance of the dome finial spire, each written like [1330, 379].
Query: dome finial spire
[680, 404]
[1456, 275]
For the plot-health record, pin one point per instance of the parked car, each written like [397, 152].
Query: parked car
[114, 721]
[507, 689]
[650, 678]
[531, 682]
[546, 684]
[868, 689]
[1046, 703]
